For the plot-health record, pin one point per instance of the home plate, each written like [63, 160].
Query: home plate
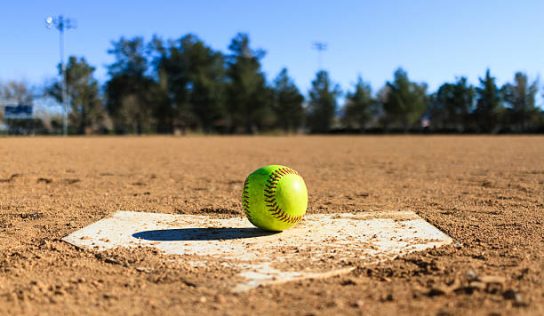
[321, 246]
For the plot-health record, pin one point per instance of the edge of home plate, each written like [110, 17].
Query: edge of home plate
[366, 236]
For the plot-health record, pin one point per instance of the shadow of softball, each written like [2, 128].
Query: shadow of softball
[188, 234]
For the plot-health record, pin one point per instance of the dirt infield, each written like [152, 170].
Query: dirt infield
[485, 192]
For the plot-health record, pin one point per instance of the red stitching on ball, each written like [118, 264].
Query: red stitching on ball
[270, 196]
[245, 201]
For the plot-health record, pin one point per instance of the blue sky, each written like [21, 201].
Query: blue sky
[434, 40]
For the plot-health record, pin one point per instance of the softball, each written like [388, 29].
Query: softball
[275, 198]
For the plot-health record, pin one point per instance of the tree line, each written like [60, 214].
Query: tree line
[180, 85]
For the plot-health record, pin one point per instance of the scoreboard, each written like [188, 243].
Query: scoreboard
[18, 112]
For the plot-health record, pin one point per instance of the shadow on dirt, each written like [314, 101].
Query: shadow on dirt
[189, 234]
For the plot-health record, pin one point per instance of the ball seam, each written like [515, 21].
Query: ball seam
[270, 196]
[245, 201]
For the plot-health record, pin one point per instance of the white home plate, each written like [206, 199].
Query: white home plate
[321, 246]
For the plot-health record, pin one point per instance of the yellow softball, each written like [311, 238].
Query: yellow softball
[275, 198]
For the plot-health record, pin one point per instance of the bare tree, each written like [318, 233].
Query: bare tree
[16, 91]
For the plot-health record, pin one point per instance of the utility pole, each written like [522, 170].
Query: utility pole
[320, 47]
[62, 23]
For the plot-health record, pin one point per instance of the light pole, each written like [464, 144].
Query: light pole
[62, 23]
[320, 47]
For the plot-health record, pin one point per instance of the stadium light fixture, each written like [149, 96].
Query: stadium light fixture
[320, 47]
[62, 23]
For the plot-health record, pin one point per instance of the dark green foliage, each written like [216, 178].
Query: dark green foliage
[248, 97]
[520, 100]
[322, 105]
[452, 106]
[165, 86]
[192, 76]
[488, 105]
[129, 56]
[405, 101]
[87, 114]
[359, 107]
[287, 103]
[132, 95]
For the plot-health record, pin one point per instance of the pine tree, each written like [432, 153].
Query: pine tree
[359, 106]
[488, 104]
[453, 103]
[287, 103]
[87, 114]
[248, 97]
[192, 76]
[405, 101]
[322, 104]
[132, 94]
[520, 98]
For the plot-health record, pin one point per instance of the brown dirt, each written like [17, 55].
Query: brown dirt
[485, 192]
